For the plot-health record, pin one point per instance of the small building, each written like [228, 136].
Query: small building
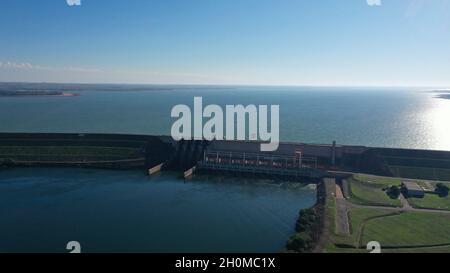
[413, 189]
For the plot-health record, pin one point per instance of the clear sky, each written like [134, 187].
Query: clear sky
[266, 42]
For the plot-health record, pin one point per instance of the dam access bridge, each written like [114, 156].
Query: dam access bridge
[293, 167]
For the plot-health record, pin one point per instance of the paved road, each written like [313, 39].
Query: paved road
[403, 179]
[342, 225]
[405, 203]
[403, 209]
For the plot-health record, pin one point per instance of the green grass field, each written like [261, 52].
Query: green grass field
[357, 218]
[412, 229]
[331, 248]
[360, 216]
[408, 232]
[66, 153]
[440, 249]
[431, 201]
[385, 181]
[421, 173]
[370, 192]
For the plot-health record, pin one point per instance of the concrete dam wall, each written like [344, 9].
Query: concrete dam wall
[406, 163]
[145, 152]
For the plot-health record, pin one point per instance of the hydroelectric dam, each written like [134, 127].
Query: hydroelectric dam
[292, 161]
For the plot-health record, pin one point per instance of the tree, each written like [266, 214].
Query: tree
[306, 220]
[300, 242]
[442, 190]
[393, 192]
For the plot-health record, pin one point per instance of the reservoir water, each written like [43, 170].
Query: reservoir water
[380, 117]
[126, 211]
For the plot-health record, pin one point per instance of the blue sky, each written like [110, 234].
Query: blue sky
[266, 42]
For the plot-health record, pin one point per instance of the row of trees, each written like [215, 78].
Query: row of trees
[441, 189]
[308, 228]
[306, 225]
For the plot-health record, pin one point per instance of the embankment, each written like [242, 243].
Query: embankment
[312, 225]
[83, 150]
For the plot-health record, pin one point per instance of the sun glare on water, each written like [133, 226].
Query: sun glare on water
[439, 117]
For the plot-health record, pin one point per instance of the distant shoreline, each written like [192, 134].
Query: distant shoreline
[443, 96]
[37, 94]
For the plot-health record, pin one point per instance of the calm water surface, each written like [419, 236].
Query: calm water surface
[126, 211]
[382, 117]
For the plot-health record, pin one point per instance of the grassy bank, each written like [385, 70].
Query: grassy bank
[67, 153]
[398, 231]
[358, 218]
[411, 229]
[431, 201]
[438, 174]
[368, 190]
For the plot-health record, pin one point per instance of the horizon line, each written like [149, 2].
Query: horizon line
[233, 85]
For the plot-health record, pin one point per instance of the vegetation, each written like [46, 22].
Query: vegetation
[372, 192]
[357, 218]
[431, 201]
[411, 229]
[308, 229]
[386, 181]
[433, 249]
[312, 222]
[396, 230]
[421, 173]
[439, 200]
[306, 220]
[442, 190]
[393, 192]
[300, 242]
[66, 153]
